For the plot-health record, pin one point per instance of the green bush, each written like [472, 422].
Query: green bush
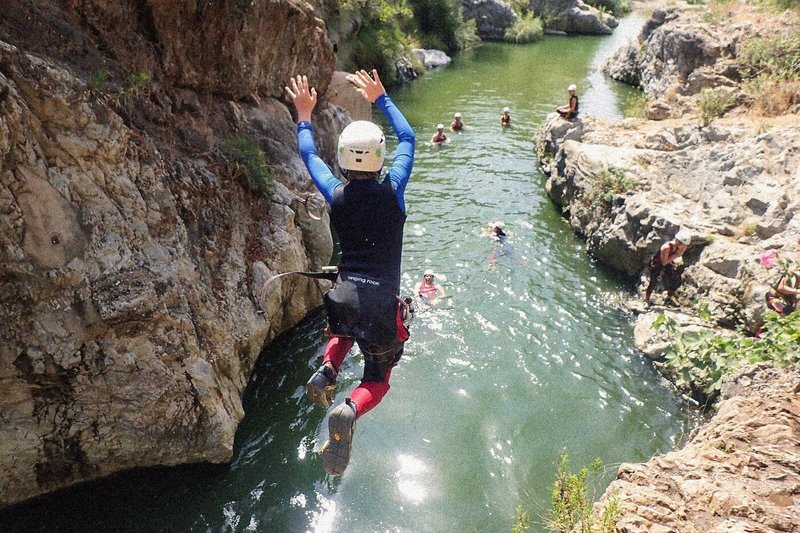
[784, 4]
[713, 104]
[245, 160]
[777, 56]
[526, 29]
[698, 362]
[608, 184]
[617, 8]
[572, 496]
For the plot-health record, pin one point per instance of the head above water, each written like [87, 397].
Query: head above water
[428, 274]
[506, 110]
[457, 115]
[362, 147]
[440, 127]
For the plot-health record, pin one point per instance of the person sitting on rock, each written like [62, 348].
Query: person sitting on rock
[782, 298]
[440, 136]
[368, 215]
[570, 110]
[505, 118]
[457, 124]
[665, 262]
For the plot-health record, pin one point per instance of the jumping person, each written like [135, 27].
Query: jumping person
[664, 264]
[440, 136]
[457, 124]
[368, 216]
[505, 118]
[570, 110]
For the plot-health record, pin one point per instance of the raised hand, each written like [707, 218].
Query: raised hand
[369, 87]
[304, 98]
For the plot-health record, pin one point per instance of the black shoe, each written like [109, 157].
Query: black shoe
[322, 386]
[341, 425]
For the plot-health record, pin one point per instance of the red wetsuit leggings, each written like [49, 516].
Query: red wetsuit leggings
[369, 392]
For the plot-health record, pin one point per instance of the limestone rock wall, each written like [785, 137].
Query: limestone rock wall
[730, 186]
[492, 17]
[739, 472]
[130, 256]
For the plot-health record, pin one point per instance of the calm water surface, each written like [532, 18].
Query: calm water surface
[528, 357]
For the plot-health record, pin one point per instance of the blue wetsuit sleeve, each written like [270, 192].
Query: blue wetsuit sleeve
[321, 175]
[400, 171]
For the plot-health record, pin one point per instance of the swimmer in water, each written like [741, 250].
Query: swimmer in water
[457, 124]
[440, 136]
[505, 118]
[428, 290]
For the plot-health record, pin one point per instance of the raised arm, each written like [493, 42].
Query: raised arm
[371, 88]
[305, 99]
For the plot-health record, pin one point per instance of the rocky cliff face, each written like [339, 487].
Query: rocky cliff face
[739, 472]
[628, 186]
[130, 253]
[730, 185]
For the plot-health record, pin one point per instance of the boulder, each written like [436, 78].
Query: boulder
[573, 16]
[431, 58]
[623, 64]
[492, 17]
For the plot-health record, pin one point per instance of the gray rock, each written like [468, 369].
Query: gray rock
[432, 58]
[573, 16]
[623, 64]
[492, 17]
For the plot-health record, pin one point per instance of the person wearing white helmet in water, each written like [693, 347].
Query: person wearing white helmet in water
[505, 118]
[368, 216]
[570, 110]
[457, 124]
[664, 263]
[428, 290]
[440, 136]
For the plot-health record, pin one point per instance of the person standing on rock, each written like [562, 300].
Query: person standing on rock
[665, 262]
[570, 110]
[368, 216]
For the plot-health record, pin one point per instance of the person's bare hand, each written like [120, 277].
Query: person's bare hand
[370, 87]
[304, 98]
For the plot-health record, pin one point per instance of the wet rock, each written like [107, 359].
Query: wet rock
[432, 58]
[492, 17]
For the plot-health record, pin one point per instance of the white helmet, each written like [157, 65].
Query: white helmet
[440, 126]
[572, 87]
[506, 110]
[429, 272]
[500, 225]
[362, 146]
[683, 237]
[457, 115]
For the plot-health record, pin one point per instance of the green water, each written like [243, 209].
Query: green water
[529, 357]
